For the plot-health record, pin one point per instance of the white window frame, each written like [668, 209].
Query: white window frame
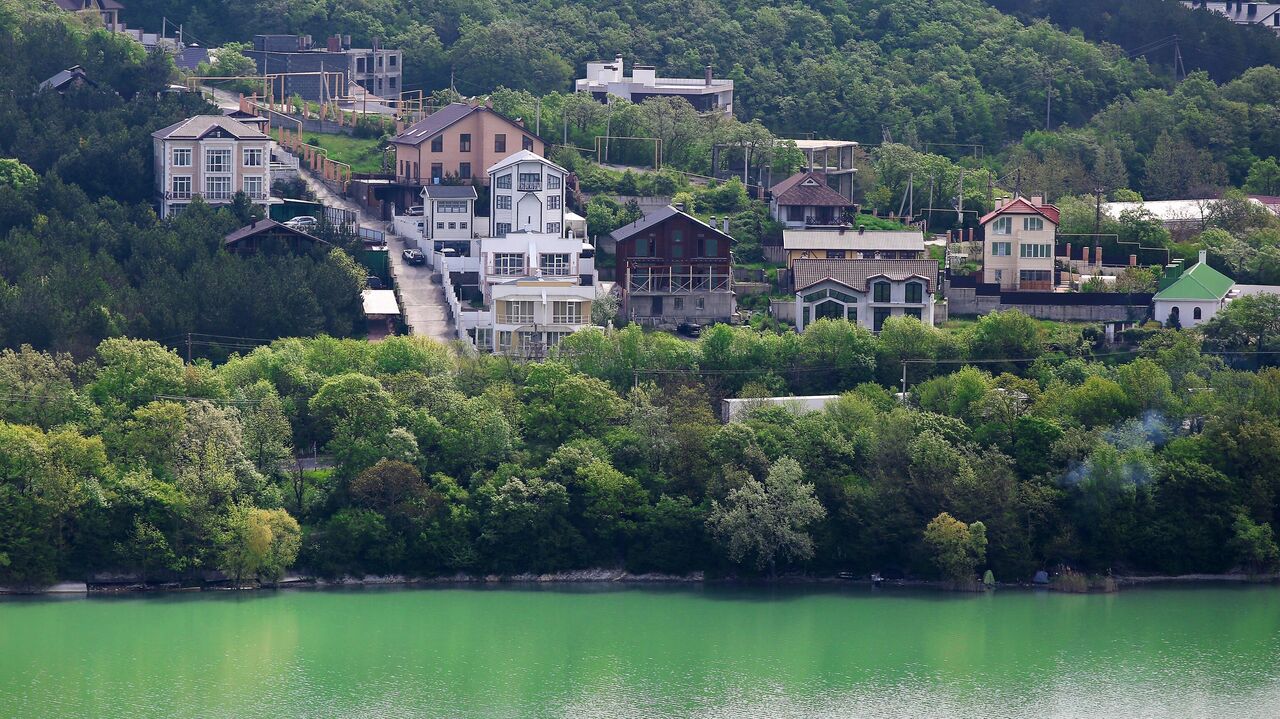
[184, 152]
[566, 312]
[553, 228]
[508, 264]
[503, 182]
[554, 264]
[503, 202]
[1032, 224]
[252, 156]
[1001, 249]
[553, 202]
[211, 166]
[173, 186]
[256, 192]
[216, 194]
[519, 312]
[1002, 226]
[1035, 250]
[502, 229]
[553, 182]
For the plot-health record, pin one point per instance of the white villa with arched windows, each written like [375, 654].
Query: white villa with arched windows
[864, 291]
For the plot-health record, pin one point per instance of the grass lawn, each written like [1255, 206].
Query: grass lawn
[362, 153]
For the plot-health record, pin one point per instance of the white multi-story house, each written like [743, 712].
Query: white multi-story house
[526, 194]
[211, 157]
[1018, 244]
[866, 292]
[449, 212]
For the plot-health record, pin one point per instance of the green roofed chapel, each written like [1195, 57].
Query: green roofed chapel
[1193, 295]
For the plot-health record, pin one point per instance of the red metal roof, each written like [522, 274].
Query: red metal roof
[1023, 206]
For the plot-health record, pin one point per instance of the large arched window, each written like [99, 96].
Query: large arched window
[829, 309]
[915, 292]
[881, 291]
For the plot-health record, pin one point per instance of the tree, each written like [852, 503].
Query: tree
[1177, 169]
[768, 522]
[1255, 544]
[16, 175]
[1264, 177]
[957, 548]
[1006, 335]
[259, 543]
[1251, 322]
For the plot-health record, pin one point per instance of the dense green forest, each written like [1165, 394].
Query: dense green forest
[83, 255]
[1159, 458]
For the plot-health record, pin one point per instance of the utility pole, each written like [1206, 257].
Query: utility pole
[960, 199]
[1048, 102]
[1017, 182]
[188, 348]
[1097, 212]
[904, 379]
[537, 123]
[1179, 70]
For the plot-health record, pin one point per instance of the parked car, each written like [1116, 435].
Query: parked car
[689, 329]
[414, 257]
[415, 211]
[374, 282]
[302, 222]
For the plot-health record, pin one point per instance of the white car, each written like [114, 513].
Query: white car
[415, 211]
[302, 222]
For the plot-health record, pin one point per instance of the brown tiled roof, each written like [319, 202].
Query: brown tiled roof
[857, 274]
[265, 226]
[194, 128]
[794, 191]
[435, 123]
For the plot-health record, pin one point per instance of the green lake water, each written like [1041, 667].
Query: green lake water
[644, 652]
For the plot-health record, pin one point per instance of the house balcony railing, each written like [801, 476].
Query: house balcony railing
[678, 280]
[529, 185]
[214, 195]
[560, 271]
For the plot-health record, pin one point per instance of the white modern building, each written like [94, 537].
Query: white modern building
[449, 212]
[706, 94]
[1262, 14]
[864, 291]
[526, 195]
[211, 157]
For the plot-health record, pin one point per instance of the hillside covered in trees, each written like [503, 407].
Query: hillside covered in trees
[82, 254]
[1158, 459]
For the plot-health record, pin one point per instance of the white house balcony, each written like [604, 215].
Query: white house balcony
[529, 185]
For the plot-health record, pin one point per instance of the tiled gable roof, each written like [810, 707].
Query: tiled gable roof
[1023, 206]
[808, 189]
[856, 274]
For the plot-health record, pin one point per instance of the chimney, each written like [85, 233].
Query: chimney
[862, 229]
[335, 43]
[1204, 256]
[708, 76]
[346, 42]
[725, 220]
[1037, 200]
[1133, 260]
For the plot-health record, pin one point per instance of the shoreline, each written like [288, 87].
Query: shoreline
[614, 576]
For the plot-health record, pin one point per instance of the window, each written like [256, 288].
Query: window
[553, 202]
[501, 228]
[453, 225]
[391, 83]
[835, 254]
[437, 172]
[437, 143]
[1001, 249]
[526, 143]
[379, 62]
[360, 64]
[500, 143]
[566, 313]
[253, 187]
[182, 157]
[464, 142]
[677, 244]
[529, 182]
[393, 60]
[555, 264]
[644, 247]
[1035, 250]
[504, 341]
[1195, 314]
[462, 225]
[553, 182]
[439, 225]
[451, 206]
[518, 312]
[915, 292]
[553, 227]
[913, 312]
[677, 303]
[1041, 277]
[795, 213]
[252, 157]
[553, 338]
[1002, 226]
[700, 304]
[503, 202]
[1033, 224]
[878, 317]
[710, 247]
[218, 188]
[464, 170]
[504, 182]
[508, 263]
[881, 292]
[181, 187]
[217, 160]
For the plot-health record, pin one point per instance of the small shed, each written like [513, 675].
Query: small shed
[381, 311]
